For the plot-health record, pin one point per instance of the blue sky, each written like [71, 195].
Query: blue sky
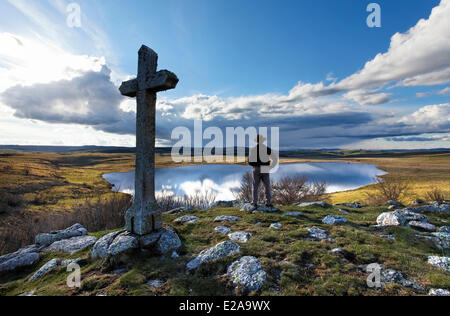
[309, 67]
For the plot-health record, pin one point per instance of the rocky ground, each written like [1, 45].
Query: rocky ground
[234, 249]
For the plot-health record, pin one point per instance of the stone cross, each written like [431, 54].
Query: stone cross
[144, 217]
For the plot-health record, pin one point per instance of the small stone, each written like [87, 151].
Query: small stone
[439, 292]
[266, 209]
[169, 241]
[319, 203]
[175, 255]
[440, 262]
[334, 220]
[247, 274]
[178, 210]
[317, 234]
[417, 202]
[155, 284]
[276, 226]
[224, 230]
[227, 218]
[423, 226]
[32, 293]
[242, 237]
[221, 250]
[344, 211]
[337, 250]
[351, 205]
[248, 207]
[72, 245]
[394, 203]
[390, 237]
[186, 219]
[444, 229]
[297, 214]
[46, 268]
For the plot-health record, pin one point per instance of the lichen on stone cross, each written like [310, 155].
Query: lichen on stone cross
[144, 217]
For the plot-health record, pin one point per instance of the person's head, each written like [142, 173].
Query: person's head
[260, 139]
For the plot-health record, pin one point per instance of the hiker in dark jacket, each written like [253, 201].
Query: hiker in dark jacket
[259, 159]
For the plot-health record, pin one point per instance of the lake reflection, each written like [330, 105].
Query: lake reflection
[222, 179]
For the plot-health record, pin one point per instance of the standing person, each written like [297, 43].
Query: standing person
[260, 156]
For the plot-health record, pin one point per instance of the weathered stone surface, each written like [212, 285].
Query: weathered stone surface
[155, 284]
[46, 268]
[394, 203]
[276, 226]
[169, 241]
[441, 240]
[224, 230]
[317, 234]
[319, 203]
[179, 210]
[235, 203]
[266, 209]
[444, 229]
[101, 247]
[417, 202]
[443, 208]
[439, 292]
[227, 218]
[175, 255]
[52, 265]
[45, 240]
[440, 262]
[423, 226]
[22, 251]
[72, 245]
[400, 218]
[144, 216]
[297, 214]
[390, 237]
[334, 220]
[390, 276]
[122, 243]
[344, 211]
[31, 293]
[242, 237]
[19, 260]
[150, 240]
[221, 250]
[188, 219]
[247, 274]
[248, 207]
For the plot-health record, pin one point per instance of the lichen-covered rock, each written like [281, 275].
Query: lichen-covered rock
[155, 284]
[441, 240]
[46, 268]
[101, 247]
[440, 262]
[122, 243]
[296, 214]
[400, 218]
[444, 229]
[266, 209]
[334, 220]
[319, 203]
[439, 292]
[187, 219]
[221, 250]
[317, 234]
[248, 207]
[19, 260]
[442, 208]
[227, 218]
[224, 230]
[390, 276]
[150, 240]
[45, 240]
[247, 274]
[168, 241]
[242, 237]
[276, 226]
[72, 245]
[351, 205]
[423, 226]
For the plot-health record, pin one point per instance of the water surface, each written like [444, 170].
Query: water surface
[222, 179]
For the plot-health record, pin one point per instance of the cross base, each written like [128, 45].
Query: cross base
[143, 220]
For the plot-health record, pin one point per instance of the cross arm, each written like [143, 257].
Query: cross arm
[162, 80]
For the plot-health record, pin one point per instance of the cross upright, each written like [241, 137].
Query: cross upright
[144, 217]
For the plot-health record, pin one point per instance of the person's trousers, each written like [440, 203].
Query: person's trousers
[257, 178]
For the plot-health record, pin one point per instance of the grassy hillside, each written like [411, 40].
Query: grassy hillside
[295, 266]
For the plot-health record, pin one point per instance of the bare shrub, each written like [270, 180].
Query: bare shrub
[168, 201]
[101, 214]
[386, 189]
[288, 190]
[435, 194]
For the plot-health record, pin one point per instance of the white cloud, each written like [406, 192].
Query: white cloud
[437, 116]
[367, 97]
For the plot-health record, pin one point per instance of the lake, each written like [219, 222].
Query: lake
[222, 179]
